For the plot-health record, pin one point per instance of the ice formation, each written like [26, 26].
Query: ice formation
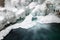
[29, 10]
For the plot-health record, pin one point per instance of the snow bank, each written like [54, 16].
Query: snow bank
[11, 9]
[39, 1]
[25, 2]
[10, 16]
[2, 22]
[4, 32]
[32, 5]
[39, 10]
[20, 13]
[50, 19]
[27, 23]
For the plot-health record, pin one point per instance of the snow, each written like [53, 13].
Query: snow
[1, 18]
[20, 13]
[27, 23]
[39, 10]
[25, 2]
[1, 8]
[4, 32]
[2, 21]
[11, 9]
[39, 1]
[24, 24]
[50, 19]
[32, 5]
[10, 16]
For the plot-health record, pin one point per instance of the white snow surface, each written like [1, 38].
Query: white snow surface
[32, 5]
[20, 13]
[28, 23]
[50, 19]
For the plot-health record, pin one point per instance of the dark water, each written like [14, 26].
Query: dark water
[36, 33]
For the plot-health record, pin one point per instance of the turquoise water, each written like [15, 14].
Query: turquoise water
[36, 33]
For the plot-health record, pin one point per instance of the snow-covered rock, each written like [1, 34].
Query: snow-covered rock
[8, 3]
[12, 9]
[50, 19]
[50, 7]
[39, 10]
[27, 23]
[13, 14]
[57, 2]
[10, 16]
[11, 3]
[2, 9]
[15, 3]
[25, 2]
[57, 7]
[3, 21]
[32, 5]
[20, 13]
[4, 32]
[23, 12]
[39, 1]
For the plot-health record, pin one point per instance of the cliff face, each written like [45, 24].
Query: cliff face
[2, 3]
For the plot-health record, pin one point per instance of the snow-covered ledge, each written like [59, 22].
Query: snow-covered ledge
[50, 19]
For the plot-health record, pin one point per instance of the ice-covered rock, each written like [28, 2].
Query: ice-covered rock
[12, 4]
[50, 7]
[57, 2]
[22, 13]
[52, 18]
[57, 7]
[39, 1]
[12, 9]
[39, 10]
[32, 5]
[10, 16]
[7, 3]
[2, 9]
[4, 32]
[27, 23]
[15, 3]
[3, 21]
[25, 2]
